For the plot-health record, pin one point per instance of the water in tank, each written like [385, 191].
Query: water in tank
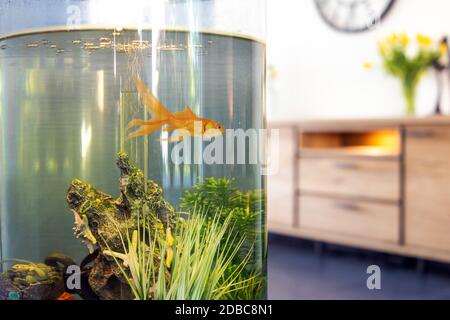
[132, 150]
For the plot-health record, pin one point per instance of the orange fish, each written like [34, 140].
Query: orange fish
[186, 122]
[65, 296]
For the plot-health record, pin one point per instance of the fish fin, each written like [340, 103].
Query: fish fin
[153, 105]
[140, 122]
[186, 114]
[170, 128]
[146, 130]
[188, 111]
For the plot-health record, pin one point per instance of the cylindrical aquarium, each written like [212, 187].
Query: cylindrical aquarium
[132, 149]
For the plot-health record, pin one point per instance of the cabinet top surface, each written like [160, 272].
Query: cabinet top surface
[362, 122]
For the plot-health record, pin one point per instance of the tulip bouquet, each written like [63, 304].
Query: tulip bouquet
[399, 61]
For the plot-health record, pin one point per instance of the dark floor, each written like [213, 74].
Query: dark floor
[297, 270]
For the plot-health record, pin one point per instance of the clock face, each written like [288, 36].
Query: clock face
[353, 15]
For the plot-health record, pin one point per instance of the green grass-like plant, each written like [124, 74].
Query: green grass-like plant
[222, 200]
[196, 262]
[220, 196]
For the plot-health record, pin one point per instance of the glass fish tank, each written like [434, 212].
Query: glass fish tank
[132, 150]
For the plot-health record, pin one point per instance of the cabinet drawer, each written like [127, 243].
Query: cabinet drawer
[351, 177]
[375, 221]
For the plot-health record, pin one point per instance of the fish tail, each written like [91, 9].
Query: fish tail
[153, 105]
[146, 130]
[140, 122]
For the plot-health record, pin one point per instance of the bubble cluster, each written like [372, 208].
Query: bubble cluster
[118, 40]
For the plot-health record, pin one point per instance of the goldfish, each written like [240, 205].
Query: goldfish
[65, 296]
[186, 122]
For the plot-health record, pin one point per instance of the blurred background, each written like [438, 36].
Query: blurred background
[358, 93]
[317, 72]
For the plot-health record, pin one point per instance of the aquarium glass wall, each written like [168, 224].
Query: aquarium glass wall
[132, 149]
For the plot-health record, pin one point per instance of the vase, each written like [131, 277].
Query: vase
[410, 93]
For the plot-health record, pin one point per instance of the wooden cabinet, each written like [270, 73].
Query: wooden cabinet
[381, 184]
[281, 185]
[427, 163]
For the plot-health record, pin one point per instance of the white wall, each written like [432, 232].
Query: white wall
[320, 71]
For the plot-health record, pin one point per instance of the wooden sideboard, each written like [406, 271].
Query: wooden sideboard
[379, 184]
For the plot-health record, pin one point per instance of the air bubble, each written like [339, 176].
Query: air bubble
[32, 45]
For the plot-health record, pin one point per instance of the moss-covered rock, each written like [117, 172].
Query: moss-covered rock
[31, 281]
[100, 220]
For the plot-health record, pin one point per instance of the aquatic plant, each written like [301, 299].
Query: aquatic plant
[193, 263]
[254, 288]
[219, 196]
[203, 251]
[138, 263]
[223, 200]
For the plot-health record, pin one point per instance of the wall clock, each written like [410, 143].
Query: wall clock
[353, 15]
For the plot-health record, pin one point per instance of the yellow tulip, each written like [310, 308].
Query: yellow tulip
[404, 40]
[392, 40]
[423, 40]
